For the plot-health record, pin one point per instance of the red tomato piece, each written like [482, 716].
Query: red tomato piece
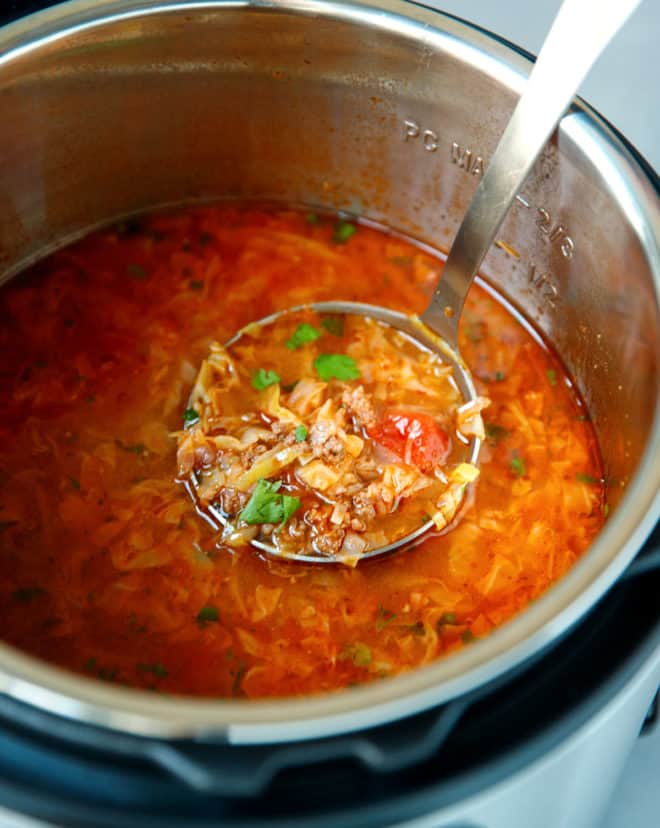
[416, 438]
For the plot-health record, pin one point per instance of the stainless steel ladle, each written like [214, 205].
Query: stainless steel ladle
[579, 33]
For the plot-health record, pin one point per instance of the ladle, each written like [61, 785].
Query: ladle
[579, 33]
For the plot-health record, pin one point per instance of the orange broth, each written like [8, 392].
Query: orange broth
[105, 567]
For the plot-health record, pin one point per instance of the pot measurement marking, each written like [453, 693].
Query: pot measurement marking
[473, 164]
[543, 283]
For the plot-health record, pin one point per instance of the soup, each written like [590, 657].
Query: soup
[327, 436]
[106, 567]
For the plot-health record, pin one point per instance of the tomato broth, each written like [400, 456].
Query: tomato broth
[107, 569]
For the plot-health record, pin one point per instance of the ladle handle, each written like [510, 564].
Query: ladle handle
[578, 35]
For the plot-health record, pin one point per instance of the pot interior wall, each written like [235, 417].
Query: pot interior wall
[390, 120]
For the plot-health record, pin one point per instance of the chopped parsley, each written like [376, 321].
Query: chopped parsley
[312, 218]
[583, 477]
[137, 271]
[133, 448]
[343, 232]
[474, 331]
[238, 678]
[128, 227]
[157, 669]
[552, 376]
[25, 595]
[358, 653]
[267, 505]
[518, 466]
[75, 484]
[417, 628]
[207, 615]
[340, 366]
[303, 334]
[447, 619]
[333, 325]
[190, 417]
[606, 509]
[262, 379]
[495, 432]
[301, 433]
[468, 636]
[383, 618]
[499, 376]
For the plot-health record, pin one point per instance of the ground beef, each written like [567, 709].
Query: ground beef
[283, 433]
[363, 506]
[232, 501]
[325, 443]
[359, 406]
[329, 543]
[326, 538]
[252, 453]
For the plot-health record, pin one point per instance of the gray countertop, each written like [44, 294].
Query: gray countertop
[624, 83]
[624, 86]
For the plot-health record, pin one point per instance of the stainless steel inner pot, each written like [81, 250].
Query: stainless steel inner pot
[384, 109]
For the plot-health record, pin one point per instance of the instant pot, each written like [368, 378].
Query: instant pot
[389, 111]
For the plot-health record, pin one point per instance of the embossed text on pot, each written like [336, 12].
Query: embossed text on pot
[382, 109]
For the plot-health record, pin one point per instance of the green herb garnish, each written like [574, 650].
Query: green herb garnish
[384, 617]
[190, 417]
[447, 619]
[262, 379]
[75, 484]
[518, 466]
[303, 334]
[238, 678]
[137, 271]
[606, 509]
[499, 376]
[583, 477]
[128, 227]
[301, 433]
[157, 669]
[417, 628]
[133, 448]
[208, 615]
[468, 636]
[343, 232]
[552, 376]
[340, 366]
[26, 594]
[358, 653]
[312, 218]
[267, 505]
[333, 325]
[495, 432]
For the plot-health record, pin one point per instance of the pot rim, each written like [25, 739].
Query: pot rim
[34, 682]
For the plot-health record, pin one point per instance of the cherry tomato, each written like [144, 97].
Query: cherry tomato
[415, 438]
